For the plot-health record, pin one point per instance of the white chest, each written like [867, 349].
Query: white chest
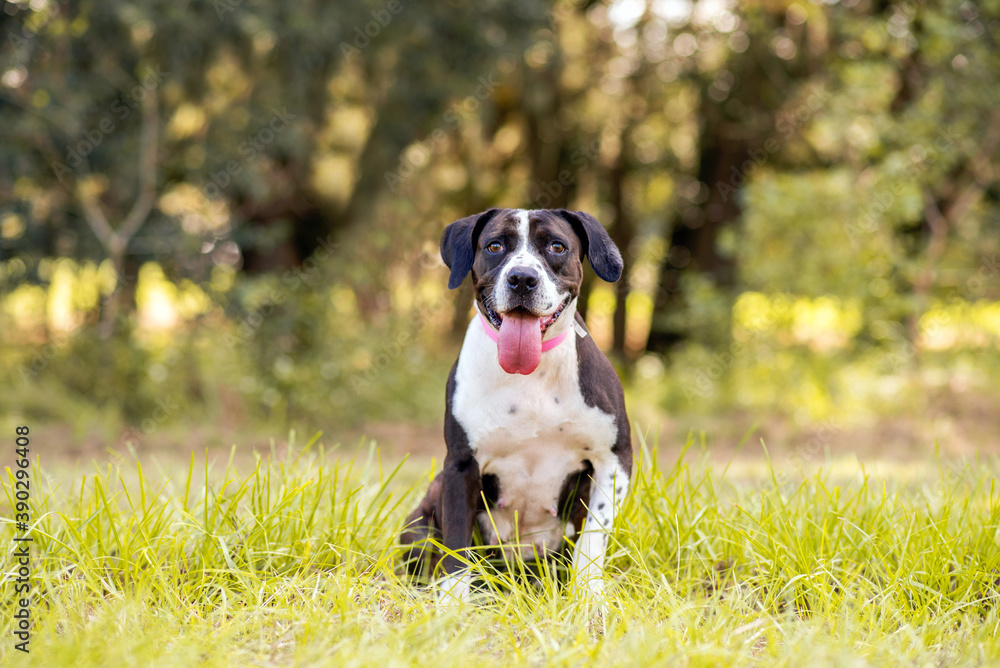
[531, 432]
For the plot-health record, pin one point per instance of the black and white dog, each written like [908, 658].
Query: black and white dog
[538, 440]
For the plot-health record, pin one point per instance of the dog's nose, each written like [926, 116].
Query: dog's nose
[522, 280]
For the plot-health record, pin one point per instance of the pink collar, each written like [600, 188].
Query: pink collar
[546, 345]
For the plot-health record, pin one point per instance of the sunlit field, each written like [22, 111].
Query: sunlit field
[290, 557]
[229, 306]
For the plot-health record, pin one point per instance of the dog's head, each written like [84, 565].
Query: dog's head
[527, 267]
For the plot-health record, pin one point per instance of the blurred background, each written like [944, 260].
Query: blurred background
[219, 220]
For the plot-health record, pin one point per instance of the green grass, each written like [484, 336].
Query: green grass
[293, 562]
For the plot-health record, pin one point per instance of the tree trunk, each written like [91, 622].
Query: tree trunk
[695, 228]
[622, 233]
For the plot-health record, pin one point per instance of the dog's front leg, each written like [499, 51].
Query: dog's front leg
[460, 490]
[607, 491]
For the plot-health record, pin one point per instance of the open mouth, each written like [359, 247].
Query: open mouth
[519, 337]
[496, 319]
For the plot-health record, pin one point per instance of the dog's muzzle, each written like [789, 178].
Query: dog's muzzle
[519, 339]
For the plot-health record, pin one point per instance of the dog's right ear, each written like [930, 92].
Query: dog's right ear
[458, 245]
[604, 256]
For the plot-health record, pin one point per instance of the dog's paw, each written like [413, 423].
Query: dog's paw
[590, 589]
[453, 590]
[590, 593]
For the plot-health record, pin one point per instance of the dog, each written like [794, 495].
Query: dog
[538, 441]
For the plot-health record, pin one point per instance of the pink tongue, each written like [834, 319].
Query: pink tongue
[519, 344]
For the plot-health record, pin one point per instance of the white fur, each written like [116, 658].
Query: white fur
[534, 449]
[549, 434]
[606, 495]
[453, 589]
[526, 256]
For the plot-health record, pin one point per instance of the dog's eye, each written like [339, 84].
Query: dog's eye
[557, 247]
[495, 247]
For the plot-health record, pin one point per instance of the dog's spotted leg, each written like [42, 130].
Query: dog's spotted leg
[461, 486]
[607, 491]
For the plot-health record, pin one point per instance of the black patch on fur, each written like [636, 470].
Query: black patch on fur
[458, 245]
[422, 524]
[597, 244]
[460, 485]
[448, 511]
[575, 496]
[602, 389]
[491, 489]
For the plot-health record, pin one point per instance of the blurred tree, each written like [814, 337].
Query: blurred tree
[284, 120]
[745, 71]
[841, 149]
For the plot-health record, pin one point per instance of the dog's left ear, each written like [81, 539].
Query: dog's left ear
[597, 245]
[458, 245]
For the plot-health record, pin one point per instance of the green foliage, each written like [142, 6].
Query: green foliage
[225, 370]
[838, 153]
